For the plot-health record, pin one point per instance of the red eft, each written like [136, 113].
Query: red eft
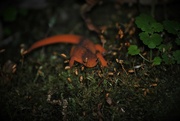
[84, 51]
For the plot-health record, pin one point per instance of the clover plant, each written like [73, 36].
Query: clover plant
[152, 36]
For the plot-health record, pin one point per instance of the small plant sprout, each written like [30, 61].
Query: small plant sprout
[134, 50]
[157, 61]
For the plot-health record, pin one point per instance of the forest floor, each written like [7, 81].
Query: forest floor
[37, 86]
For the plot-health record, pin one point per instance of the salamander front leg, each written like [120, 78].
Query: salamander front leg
[99, 48]
[101, 59]
[71, 62]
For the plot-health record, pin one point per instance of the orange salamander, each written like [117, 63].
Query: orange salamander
[84, 51]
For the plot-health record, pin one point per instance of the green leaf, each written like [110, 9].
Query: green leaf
[144, 36]
[155, 40]
[133, 50]
[152, 40]
[157, 27]
[148, 24]
[157, 61]
[151, 45]
[144, 21]
[176, 55]
[171, 26]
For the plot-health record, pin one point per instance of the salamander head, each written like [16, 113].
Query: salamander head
[89, 59]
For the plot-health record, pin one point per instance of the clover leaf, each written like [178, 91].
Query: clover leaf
[156, 27]
[157, 61]
[143, 21]
[151, 40]
[133, 50]
[171, 26]
[148, 24]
